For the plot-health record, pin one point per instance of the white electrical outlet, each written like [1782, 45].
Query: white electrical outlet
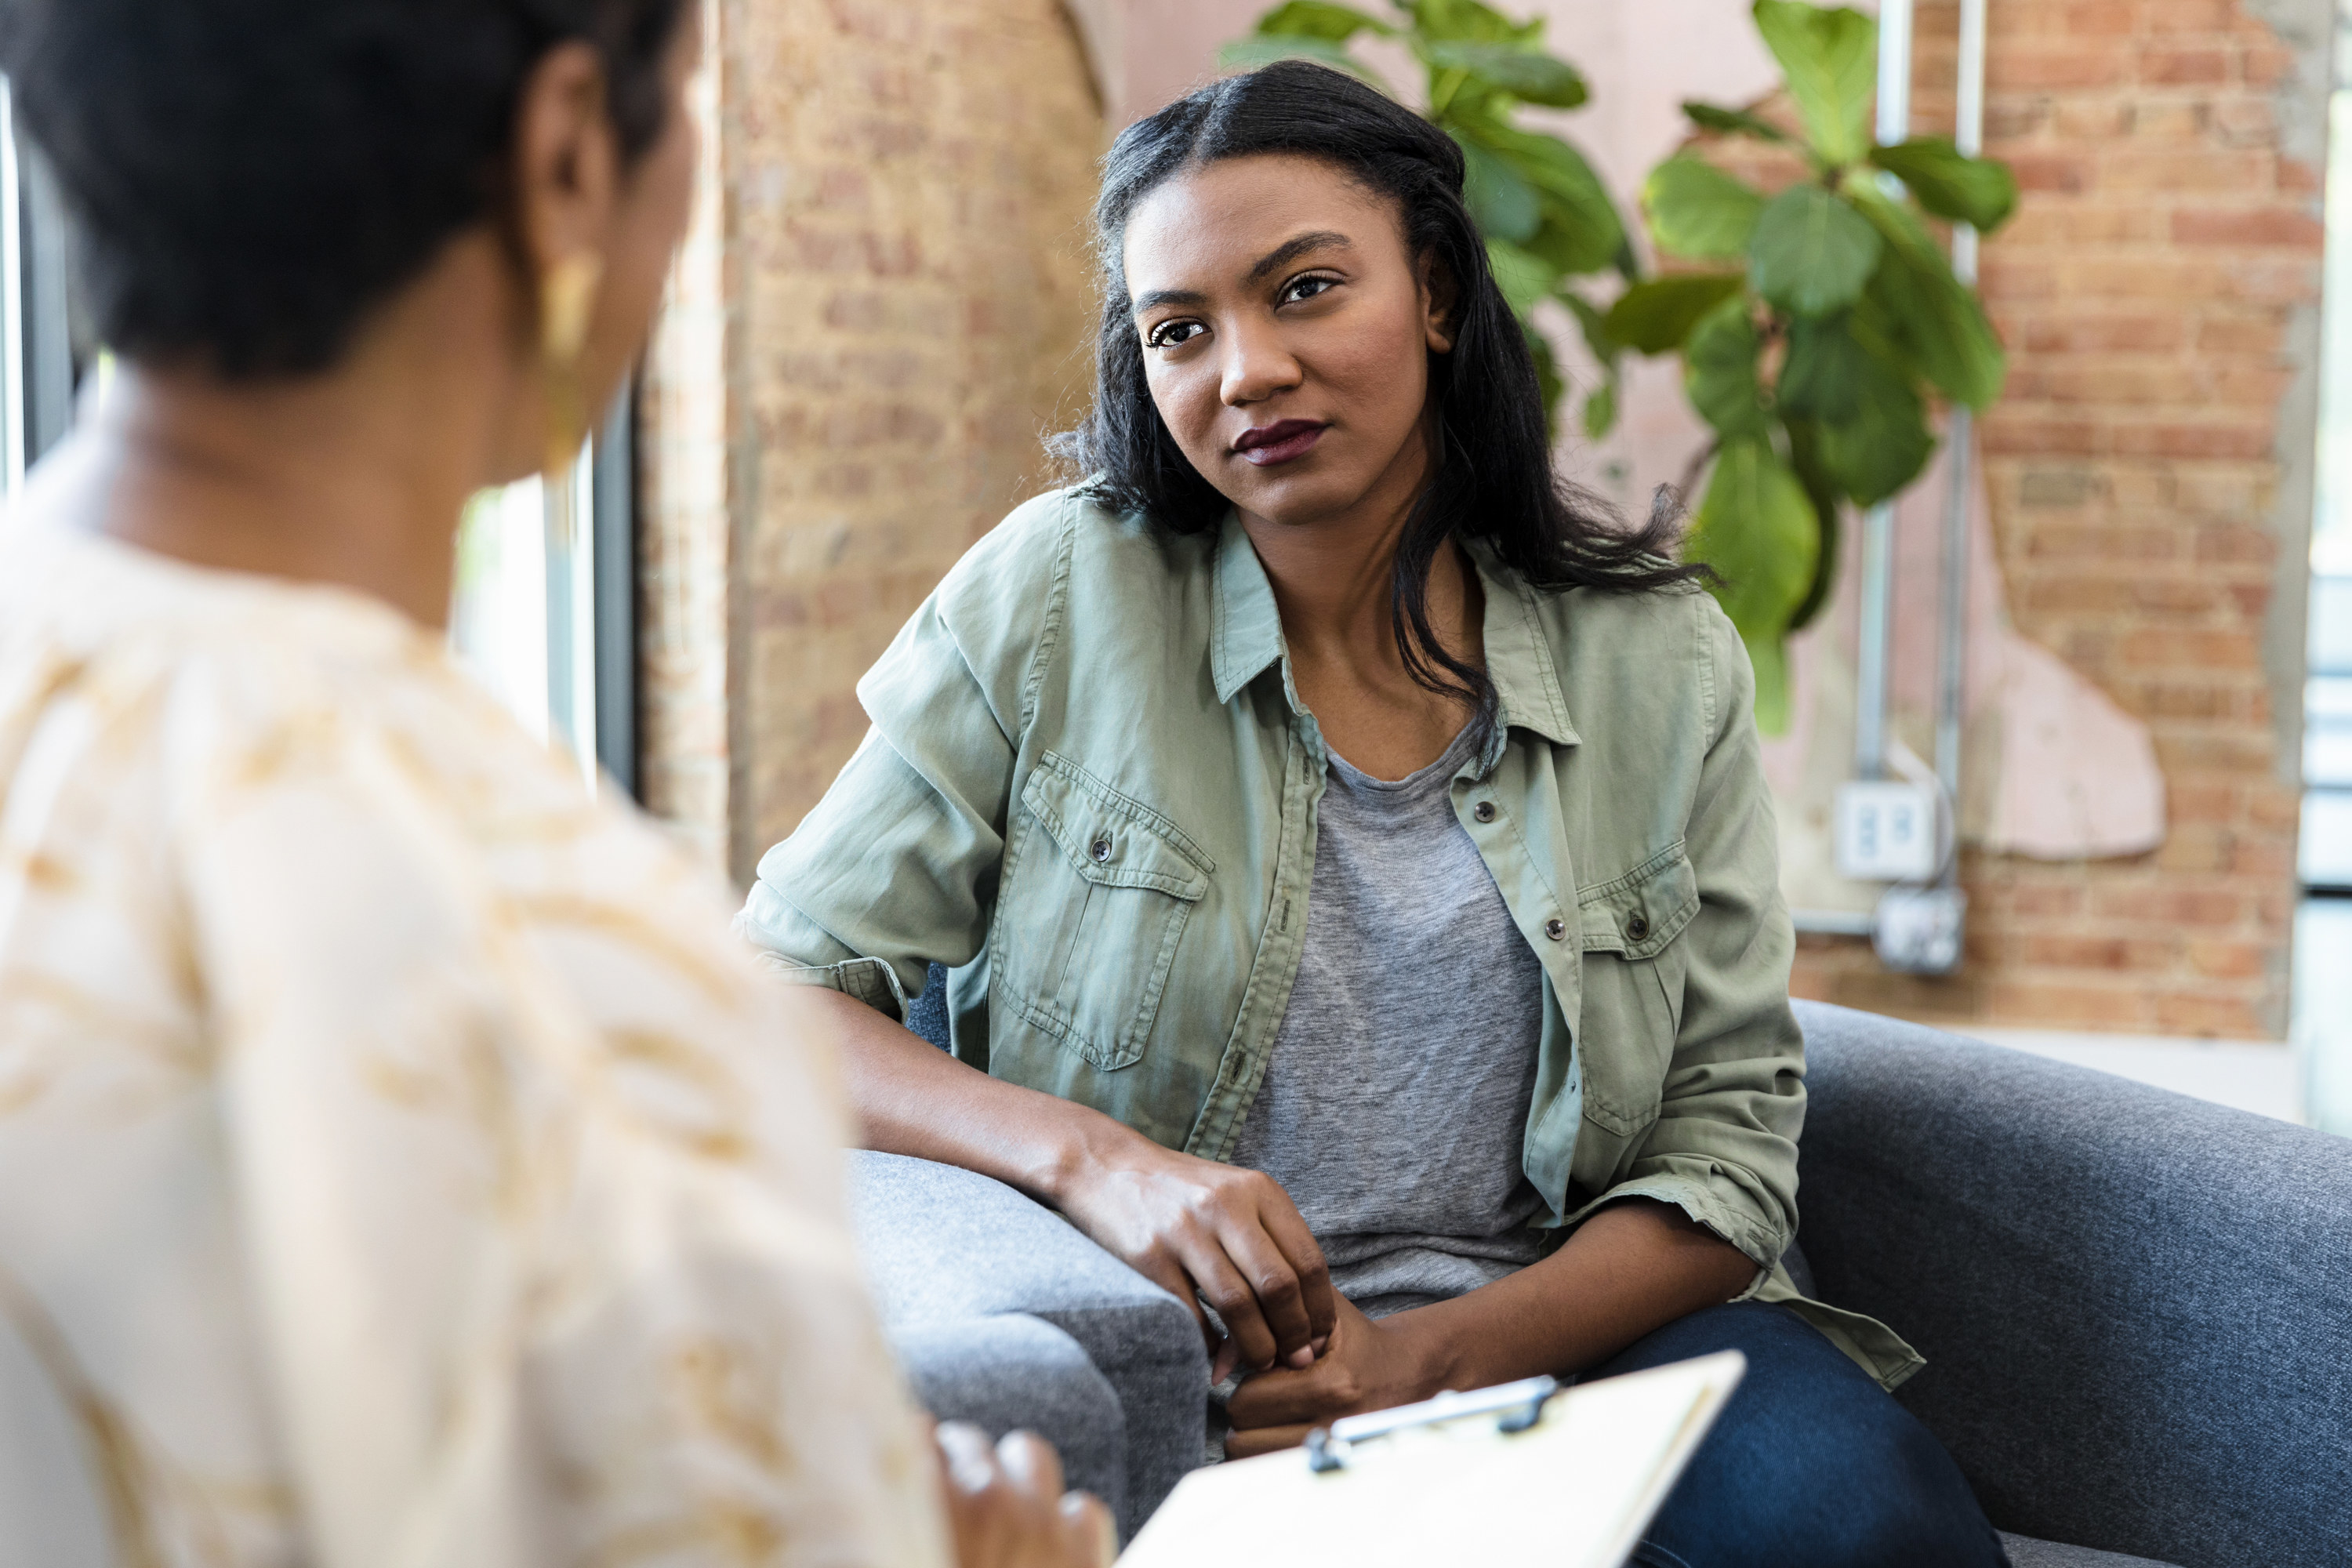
[1886, 831]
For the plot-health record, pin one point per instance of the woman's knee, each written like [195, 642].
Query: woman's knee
[1810, 1463]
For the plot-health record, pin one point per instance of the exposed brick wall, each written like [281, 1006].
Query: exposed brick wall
[894, 302]
[682, 549]
[2157, 292]
[907, 298]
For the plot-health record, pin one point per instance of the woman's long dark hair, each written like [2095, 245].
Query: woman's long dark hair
[1495, 482]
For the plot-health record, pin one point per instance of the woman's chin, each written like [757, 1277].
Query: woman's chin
[1297, 499]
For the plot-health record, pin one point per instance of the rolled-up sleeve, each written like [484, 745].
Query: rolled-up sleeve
[895, 868]
[1723, 1148]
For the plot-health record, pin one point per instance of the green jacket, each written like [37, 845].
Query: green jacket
[1090, 789]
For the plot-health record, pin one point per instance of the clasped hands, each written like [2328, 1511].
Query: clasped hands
[1203, 1230]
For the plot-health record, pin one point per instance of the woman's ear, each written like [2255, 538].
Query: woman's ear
[1441, 304]
[566, 167]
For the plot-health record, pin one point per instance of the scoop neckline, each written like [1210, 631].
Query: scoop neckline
[1449, 762]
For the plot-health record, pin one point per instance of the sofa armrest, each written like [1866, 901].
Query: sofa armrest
[945, 1246]
[2136, 1307]
[1013, 1373]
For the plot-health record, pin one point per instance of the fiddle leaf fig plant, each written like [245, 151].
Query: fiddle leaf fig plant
[1544, 214]
[1814, 325]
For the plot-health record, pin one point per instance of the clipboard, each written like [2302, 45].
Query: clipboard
[1524, 1472]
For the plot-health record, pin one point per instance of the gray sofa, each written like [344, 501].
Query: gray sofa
[2136, 1308]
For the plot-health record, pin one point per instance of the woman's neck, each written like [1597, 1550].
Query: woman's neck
[1333, 575]
[1334, 585]
[355, 478]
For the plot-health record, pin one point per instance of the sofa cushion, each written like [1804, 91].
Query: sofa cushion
[944, 1246]
[1012, 1372]
[2136, 1307]
[2026, 1553]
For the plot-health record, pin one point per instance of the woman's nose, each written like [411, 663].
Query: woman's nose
[1257, 365]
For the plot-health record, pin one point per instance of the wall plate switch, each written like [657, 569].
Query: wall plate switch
[1918, 930]
[1886, 831]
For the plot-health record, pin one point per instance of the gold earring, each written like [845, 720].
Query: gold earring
[567, 302]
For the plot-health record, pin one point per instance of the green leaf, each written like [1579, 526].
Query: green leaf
[1251, 53]
[1581, 231]
[1882, 445]
[1929, 318]
[1820, 378]
[1770, 660]
[1595, 322]
[1980, 192]
[1698, 210]
[1811, 253]
[1524, 280]
[1548, 380]
[1804, 460]
[1719, 371]
[1758, 528]
[1601, 410]
[1502, 204]
[1534, 78]
[1319, 19]
[1467, 19]
[1571, 246]
[1733, 122]
[1830, 60]
[1657, 315]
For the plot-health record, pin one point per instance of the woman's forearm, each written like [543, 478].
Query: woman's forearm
[911, 1098]
[1633, 1267]
[1195, 1227]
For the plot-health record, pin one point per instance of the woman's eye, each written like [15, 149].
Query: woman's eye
[1299, 289]
[1169, 334]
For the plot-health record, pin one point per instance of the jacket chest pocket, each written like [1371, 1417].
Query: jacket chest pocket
[1632, 983]
[1097, 889]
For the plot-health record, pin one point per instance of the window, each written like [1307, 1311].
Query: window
[544, 612]
[38, 366]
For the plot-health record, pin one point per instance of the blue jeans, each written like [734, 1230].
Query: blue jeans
[1810, 1465]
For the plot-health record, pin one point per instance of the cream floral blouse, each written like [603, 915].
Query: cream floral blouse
[398, 1164]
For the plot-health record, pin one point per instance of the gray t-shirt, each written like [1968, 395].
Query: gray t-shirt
[1396, 1100]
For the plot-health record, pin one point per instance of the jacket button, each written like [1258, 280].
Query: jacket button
[1555, 928]
[1483, 811]
[1637, 926]
[1100, 849]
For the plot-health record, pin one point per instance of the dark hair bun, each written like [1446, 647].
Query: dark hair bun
[246, 179]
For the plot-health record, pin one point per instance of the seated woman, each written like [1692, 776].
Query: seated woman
[1353, 857]
[398, 1161]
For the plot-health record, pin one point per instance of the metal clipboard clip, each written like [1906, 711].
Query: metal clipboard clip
[1517, 1407]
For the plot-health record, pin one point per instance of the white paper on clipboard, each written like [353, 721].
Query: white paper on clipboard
[1575, 1490]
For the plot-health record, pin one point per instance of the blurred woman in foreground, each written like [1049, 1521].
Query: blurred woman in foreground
[397, 1163]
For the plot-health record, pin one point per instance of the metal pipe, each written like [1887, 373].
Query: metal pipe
[1968, 134]
[1951, 674]
[1875, 637]
[1893, 72]
[1876, 630]
[1834, 922]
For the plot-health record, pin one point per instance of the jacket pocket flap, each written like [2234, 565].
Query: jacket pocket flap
[1111, 838]
[1638, 914]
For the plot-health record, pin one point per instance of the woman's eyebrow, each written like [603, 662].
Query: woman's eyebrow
[1289, 250]
[1292, 249]
[1159, 296]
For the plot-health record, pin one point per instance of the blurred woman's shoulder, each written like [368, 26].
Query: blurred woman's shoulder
[193, 698]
